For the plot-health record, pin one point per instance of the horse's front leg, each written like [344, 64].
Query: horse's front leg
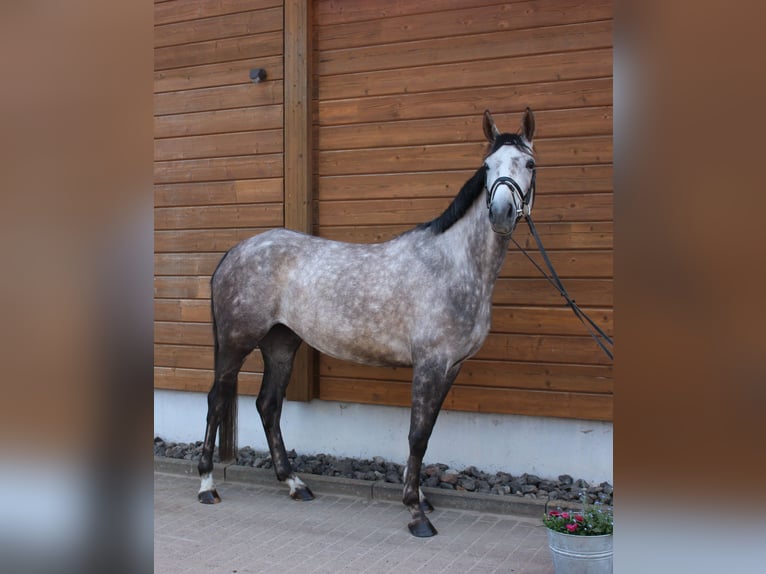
[429, 387]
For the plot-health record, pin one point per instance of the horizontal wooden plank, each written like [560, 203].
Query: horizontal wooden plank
[250, 95]
[218, 145]
[577, 264]
[183, 10]
[581, 350]
[221, 74]
[219, 169]
[218, 192]
[329, 12]
[546, 320]
[442, 50]
[590, 264]
[499, 374]
[521, 291]
[182, 287]
[219, 216]
[468, 101]
[174, 333]
[476, 399]
[201, 381]
[553, 180]
[221, 50]
[432, 131]
[451, 22]
[182, 310]
[549, 152]
[181, 357]
[564, 235]
[517, 70]
[584, 207]
[218, 27]
[568, 349]
[220, 121]
[508, 291]
[202, 240]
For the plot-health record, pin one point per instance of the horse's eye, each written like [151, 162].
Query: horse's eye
[531, 164]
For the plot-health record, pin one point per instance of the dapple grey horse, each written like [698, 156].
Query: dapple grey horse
[421, 300]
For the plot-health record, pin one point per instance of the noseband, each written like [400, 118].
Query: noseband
[525, 201]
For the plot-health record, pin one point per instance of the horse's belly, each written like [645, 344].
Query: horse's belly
[376, 350]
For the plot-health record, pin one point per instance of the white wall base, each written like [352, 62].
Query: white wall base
[543, 446]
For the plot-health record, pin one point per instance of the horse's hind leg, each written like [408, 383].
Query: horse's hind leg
[221, 414]
[278, 348]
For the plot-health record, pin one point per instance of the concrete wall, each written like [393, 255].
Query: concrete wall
[543, 446]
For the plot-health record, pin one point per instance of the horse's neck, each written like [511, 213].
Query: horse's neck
[471, 241]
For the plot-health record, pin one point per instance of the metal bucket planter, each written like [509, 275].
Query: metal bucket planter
[574, 554]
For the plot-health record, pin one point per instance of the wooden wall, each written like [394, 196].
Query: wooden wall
[400, 91]
[218, 166]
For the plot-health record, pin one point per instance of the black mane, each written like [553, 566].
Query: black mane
[466, 196]
[471, 189]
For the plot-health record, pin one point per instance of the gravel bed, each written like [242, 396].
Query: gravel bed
[563, 488]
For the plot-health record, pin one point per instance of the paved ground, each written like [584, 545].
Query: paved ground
[258, 528]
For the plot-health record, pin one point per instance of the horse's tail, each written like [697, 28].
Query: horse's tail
[227, 427]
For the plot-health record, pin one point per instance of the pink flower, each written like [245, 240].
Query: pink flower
[571, 527]
[565, 515]
[579, 517]
[554, 513]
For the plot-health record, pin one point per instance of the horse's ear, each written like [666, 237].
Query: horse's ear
[490, 129]
[528, 125]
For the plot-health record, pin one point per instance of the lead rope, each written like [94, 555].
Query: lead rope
[594, 330]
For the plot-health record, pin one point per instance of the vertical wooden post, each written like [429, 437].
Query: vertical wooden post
[298, 149]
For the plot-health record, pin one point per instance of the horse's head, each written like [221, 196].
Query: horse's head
[510, 173]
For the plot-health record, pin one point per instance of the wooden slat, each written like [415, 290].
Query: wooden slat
[589, 406]
[219, 169]
[546, 321]
[218, 193]
[202, 240]
[218, 145]
[550, 152]
[434, 131]
[585, 36]
[330, 12]
[268, 93]
[553, 180]
[507, 17]
[218, 27]
[182, 287]
[542, 348]
[216, 51]
[181, 357]
[554, 95]
[519, 70]
[584, 207]
[174, 333]
[223, 216]
[565, 235]
[183, 10]
[212, 75]
[498, 374]
[533, 291]
[219, 121]
[590, 264]
[200, 381]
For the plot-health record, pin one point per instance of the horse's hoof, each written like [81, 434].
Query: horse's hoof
[209, 497]
[422, 528]
[426, 506]
[302, 493]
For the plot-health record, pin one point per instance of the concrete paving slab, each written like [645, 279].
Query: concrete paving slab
[258, 528]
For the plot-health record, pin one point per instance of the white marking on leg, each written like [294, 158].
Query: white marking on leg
[294, 483]
[207, 482]
[421, 496]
